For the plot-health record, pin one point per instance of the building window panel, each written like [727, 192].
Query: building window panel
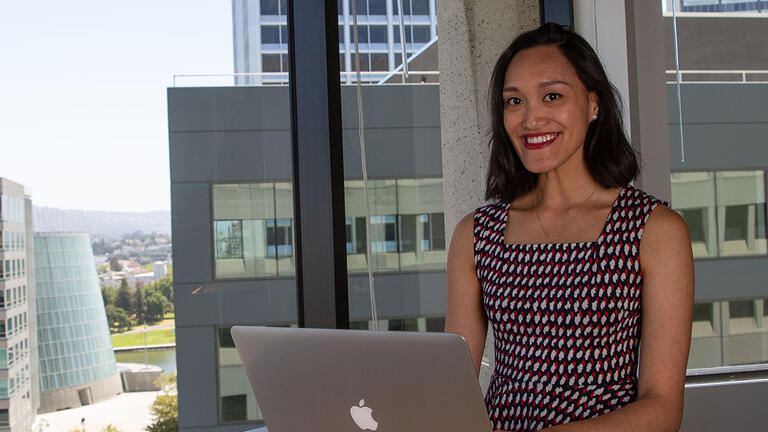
[362, 34]
[270, 34]
[741, 213]
[253, 230]
[270, 7]
[421, 34]
[379, 62]
[693, 196]
[378, 34]
[377, 7]
[270, 63]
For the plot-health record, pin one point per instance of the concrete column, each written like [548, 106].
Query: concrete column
[473, 33]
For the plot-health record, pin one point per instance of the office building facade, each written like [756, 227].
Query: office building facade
[77, 364]
[233, 229]
[232, 219]
[723, 6]
[18, 384]
[260, 38]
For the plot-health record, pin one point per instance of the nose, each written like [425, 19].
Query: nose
[532, 116]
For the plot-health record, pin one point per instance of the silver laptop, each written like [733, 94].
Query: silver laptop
[353, 380]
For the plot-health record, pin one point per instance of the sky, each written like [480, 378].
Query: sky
[83, 114]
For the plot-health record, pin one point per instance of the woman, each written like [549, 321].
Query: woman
[556, 264]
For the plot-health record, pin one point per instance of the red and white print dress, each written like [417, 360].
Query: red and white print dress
[565, 317]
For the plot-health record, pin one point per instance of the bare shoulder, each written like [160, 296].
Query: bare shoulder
[664, 227]
[466, 226]
[665, 243]
[462, 240]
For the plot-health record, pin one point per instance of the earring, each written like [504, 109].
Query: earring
[594, 117]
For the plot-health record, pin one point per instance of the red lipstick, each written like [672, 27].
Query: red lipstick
[535, 141]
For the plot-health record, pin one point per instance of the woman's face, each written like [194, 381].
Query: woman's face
[547, 109]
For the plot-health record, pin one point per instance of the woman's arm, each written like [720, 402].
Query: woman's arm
[667, 312]
[465, 314]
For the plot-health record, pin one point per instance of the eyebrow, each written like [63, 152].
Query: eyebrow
[541, 84]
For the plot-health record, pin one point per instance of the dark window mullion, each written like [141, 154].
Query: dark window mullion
[318, 176]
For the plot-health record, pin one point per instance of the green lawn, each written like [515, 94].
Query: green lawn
[155, 337]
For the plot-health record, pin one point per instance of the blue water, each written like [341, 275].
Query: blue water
[165, 358]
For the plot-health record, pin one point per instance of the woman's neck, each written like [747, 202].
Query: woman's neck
[558, 190]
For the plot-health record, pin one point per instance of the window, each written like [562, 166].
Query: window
[270, 7]
[253, 229]
[233, 408]
[238, 403]
[362, 34]
[270, 63]
[741, 309]
[361, 6]
[741, 203]
[378, 34]
[379, 62]
[270, 34]
[376, 7]
[229, 239]
[412, 7]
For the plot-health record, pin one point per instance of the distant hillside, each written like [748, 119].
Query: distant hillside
[101, 223]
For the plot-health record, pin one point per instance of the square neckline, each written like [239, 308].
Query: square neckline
[562, 244]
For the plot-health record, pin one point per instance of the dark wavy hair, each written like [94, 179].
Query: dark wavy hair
[610, 158]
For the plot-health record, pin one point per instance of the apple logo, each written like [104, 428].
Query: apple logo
[362, 415]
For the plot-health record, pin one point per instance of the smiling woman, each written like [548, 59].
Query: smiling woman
[554, 265]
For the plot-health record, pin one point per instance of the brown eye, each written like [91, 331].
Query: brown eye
[512, 101]
[551, 97]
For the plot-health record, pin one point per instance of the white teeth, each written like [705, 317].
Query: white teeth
[540, 139]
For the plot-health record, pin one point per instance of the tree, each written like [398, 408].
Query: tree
[114, 265]
[117, 317]
[165, 286]
[124, 299]
[108, 294]
[139, 304]
[155, 305]
[165, 409]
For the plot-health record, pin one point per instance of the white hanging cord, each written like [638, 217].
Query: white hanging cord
[403, 53]
[361, 135]
[678, 77]
[594, 12]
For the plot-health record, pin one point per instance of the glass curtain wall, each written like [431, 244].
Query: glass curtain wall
[401, 133]
[718, 183]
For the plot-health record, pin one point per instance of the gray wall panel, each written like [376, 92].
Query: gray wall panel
[719, 103]
[392, 106]
[394, 152]
[236, 302]
[196, 373]
[274, 300]
[726, 279]
[229, 134]
[398, 295]
[719, 42]
[230, 156]
[726, 408]
[191, 230]
[724, 126]
[266, 108]
[720, 146]
[228, 108]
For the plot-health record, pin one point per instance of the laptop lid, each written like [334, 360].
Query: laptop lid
[351, 380]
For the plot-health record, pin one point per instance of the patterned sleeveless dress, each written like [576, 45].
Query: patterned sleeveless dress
[565, 317]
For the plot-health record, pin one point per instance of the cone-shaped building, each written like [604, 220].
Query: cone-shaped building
[77, 364]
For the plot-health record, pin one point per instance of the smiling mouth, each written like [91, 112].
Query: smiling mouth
[540, 140]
